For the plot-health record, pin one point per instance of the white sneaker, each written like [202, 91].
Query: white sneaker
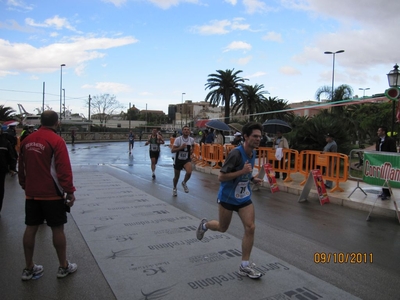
[174, 192]
[185, 188]
[200, 230]
[250, 271]
[71, 268]
[34, 273]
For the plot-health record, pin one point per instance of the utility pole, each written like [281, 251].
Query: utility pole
[89, 112]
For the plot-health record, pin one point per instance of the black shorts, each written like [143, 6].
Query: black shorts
[53, 211]
[154, 154]
[233, 207]
[179, 166]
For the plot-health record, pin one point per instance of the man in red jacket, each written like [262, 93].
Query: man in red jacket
[45, 173]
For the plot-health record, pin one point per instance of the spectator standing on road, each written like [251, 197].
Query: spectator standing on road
[385, 143]
[46, 176]
[73, 137]
[210, 136]
[12, 138]
[219, 138]
[154, 140]
[131, 141]
[235, 195]
[237, 140]
[330, 146]
[280, 144]
[7, 163]
[183, 149]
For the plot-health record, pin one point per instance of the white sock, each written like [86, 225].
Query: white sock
[245, 263]
[204, 226]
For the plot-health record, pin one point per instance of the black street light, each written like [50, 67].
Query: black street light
[363, 89]
[64, 103]
[62, 65]
[394, 83]
[182, 110]
[333, 68]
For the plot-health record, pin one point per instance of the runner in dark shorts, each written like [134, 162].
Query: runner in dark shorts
[154, 140]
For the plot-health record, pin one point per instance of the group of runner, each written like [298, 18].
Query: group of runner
[234, 192]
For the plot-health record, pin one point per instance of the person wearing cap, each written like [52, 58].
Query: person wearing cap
[330, 146]
[237, 139]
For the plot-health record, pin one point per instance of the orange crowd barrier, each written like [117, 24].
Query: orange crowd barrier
[333, 166]
[212, 154]
[196, 153]
[288, 164]
[171, 141]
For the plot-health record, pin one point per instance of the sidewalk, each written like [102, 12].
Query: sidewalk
[357, 200]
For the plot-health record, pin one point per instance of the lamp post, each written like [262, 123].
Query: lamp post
[62, 65]
[394, 82]
[333, 68]
[64, 102]
[363, 89]
[182, 110]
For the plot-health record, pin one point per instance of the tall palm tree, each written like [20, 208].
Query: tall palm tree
[6, 113]
[224, 86]
[251, 101]
[277, 109]
[342, 92]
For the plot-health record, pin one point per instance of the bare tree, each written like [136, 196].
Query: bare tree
[104, 106]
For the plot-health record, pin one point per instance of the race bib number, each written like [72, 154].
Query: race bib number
[153, 147]
[242, 190]
[183, 155]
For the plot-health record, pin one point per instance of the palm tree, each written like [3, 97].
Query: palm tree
[224, 86]
[251, 101]
[6, 113]
[342, 92]
[277, 109]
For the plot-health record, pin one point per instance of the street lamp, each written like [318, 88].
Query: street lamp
[333, 68]
[62, 65]
[64, 102]
[363, 89]
[182, 109]
[394, 83]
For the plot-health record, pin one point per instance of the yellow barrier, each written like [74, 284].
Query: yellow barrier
[196, 153]
[333, 166]
[171, 142]
[212, 153]
[288, 165]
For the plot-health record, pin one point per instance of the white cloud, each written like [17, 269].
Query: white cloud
[273, 36]
[79, 70]
[165, 4]
[109, 87]
[146, 94]
[253, 6]
[233, 2]
[221, 27]
[244, 60]
[289, 70]
[55, 22]
[27, 58]
[16, 4]
[117, 3]
[256, 75]
[238, 45]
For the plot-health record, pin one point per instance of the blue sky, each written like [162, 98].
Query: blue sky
[149, 52]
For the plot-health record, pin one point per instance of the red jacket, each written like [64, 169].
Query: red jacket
[44, 168]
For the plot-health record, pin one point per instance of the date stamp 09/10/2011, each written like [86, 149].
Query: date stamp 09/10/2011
[343, 257]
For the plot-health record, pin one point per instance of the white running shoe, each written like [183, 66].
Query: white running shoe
[185, 188]
[200, 230]
[250, 271]
[174, 192]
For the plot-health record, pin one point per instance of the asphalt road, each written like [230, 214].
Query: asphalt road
[364, 256]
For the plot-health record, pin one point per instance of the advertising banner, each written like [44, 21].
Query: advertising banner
[271, 179]
[319, 184]
[381, 166]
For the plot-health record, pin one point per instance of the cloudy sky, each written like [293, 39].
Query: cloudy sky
[149, 52]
